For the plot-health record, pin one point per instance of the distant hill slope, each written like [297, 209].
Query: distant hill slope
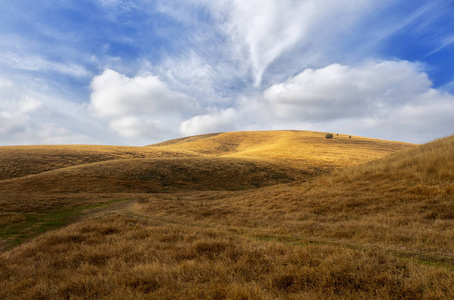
[429, 164]
[302, 149]
[18, 161]
[305, 148]
[157, 175]
[224, 161]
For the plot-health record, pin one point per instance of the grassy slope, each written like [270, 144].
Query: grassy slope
[18, 161]
[377, 230]
[157, 175]
[305, 149]
[401, 202]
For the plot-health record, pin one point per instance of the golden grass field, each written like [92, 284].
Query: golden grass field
[243, 215]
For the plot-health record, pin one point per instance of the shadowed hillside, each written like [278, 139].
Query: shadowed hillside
[158, 175]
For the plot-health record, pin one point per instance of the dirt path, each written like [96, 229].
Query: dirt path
[108, 209]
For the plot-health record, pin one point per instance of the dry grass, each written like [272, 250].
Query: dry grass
[431, 163]
[18, 161]
[121, 257]
[305, 149]
[158, 175]
[380, 230]
[399, 203]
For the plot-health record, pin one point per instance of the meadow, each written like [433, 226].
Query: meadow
[244, 215]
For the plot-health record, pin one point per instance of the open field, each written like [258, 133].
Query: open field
[263, 215]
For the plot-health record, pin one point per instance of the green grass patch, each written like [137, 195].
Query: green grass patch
[38, 223]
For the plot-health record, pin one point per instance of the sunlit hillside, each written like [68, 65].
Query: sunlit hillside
[249, 215]
[307, 149]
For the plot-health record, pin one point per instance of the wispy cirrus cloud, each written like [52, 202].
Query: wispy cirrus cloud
[37, 63]
[268, 29]
[259, 32]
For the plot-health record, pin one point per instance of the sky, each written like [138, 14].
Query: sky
[138, 72]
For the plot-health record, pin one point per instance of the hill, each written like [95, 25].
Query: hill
[401, 206]
[49, 178]
[402, 202]
[309, 149]
[351, 228]
[222, 161]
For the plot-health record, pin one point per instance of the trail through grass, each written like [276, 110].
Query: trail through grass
[259, 235]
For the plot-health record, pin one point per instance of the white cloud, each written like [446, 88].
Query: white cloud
[338, 91]
[139, 107]
[387, 99]
[15, 110]
[216, 121]
[30, 117]
[264, 30]
[220, 66]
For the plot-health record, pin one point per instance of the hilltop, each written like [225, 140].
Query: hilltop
[305, 148]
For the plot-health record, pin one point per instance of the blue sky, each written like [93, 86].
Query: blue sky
[139, 72]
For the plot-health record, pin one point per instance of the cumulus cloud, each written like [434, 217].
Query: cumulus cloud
[388, 99]
[338, 91]
[15, 111]
[201, 66]
[139, 107]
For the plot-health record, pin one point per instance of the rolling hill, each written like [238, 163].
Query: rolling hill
[247, 215]
[221, 161]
